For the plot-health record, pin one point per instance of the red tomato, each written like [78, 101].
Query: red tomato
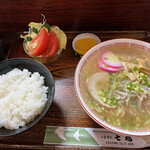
[53, 45]
[39, 44]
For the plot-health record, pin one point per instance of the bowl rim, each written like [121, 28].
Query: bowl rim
[49, 101]
[80, 98]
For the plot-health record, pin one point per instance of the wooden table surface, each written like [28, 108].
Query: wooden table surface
[65, 109]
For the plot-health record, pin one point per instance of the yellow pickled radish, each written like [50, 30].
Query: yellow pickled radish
[83, 45]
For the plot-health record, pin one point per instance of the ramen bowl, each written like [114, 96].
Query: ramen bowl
[125, 118]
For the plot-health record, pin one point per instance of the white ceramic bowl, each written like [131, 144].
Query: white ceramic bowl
[130, 43]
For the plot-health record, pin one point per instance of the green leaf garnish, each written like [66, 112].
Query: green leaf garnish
[105, 58]
[106, 66]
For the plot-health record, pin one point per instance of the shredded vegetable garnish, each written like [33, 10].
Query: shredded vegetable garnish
[35, 25]
[122, 88]
[44, 19]
[127, 93]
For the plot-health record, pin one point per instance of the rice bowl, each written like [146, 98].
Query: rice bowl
[22, 97]
[36, 70]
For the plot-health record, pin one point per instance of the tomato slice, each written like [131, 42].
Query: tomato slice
[39, 44]
[53, 45]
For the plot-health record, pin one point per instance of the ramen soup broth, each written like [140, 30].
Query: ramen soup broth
[127, 116]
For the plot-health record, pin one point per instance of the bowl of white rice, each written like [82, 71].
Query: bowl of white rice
[26, 92]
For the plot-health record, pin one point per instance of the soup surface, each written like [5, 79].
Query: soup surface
[120, 101]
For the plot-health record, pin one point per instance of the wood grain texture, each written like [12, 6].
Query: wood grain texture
[73, 15]
[65, 109]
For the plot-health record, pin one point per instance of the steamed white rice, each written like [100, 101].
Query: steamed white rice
[22, 97]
